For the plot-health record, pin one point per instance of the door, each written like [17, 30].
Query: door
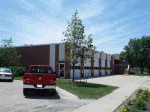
[61, 69]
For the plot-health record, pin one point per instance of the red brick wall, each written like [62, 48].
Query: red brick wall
[57, 59]
[92, 67]
[118, 69]
[67, 64]
[34, 55]
[111, 65]
[121, 60]
[100, 68]
[82, 68]
[106, 65]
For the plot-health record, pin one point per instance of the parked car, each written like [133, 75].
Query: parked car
[39, 77]
[6, 74]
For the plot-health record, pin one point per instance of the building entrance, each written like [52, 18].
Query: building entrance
[61, 69]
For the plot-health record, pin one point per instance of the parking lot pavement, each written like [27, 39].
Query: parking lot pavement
[13, 100]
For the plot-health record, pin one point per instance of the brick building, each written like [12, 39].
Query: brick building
[53, 54]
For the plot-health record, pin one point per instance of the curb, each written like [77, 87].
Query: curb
[132, 96]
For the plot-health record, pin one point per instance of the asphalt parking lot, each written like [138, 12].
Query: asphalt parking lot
[13, 100]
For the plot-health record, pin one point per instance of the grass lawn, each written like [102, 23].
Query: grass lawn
[86, 90]
[18, 77]
[138, 73]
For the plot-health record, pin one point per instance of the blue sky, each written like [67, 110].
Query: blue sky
[111, 22]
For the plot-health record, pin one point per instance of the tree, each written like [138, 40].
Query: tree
[80, 48]
[8, 55]
[123, 55]
[137, 52]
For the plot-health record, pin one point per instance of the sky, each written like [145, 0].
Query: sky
[112, 23]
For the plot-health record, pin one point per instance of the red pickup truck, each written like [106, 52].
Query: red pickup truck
[39, 77]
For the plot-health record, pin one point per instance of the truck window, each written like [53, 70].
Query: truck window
[40, 70]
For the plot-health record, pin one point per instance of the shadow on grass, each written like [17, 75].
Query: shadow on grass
[89, 85]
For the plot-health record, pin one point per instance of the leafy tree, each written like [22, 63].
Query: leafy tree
[8, 55]
[137, 52]
[123, 55]
[77, 43]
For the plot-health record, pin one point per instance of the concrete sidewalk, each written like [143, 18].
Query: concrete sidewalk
[110, 102]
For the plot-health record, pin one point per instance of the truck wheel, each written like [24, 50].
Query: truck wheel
[25, 92]
[53, 93]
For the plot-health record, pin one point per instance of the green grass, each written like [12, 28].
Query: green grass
[18, 77]
[86, 90]
[138, 73]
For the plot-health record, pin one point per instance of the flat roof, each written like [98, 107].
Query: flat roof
[36, 45]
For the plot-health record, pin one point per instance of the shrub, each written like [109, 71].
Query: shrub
[18, 71]
[126, 108]
[13, 68]
[132, 72]
[140, 104]
[140, 90]
[134, 110]
[130, 102]
[148, 70]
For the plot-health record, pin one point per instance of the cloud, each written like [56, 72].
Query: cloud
[49, 31]
[86, 9]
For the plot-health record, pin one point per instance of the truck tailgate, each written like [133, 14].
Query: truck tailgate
[38, 78]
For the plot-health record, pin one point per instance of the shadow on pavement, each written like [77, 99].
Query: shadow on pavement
[3, 80]
[42, 94]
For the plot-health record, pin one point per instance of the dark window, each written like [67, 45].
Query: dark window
[76, 67]
[40, 70]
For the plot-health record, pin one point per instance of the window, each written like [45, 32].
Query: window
[40, 70]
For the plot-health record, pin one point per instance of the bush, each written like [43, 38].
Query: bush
[147, 70]
[13, 68]
[132, 72]
[140, 104]
[18, 71]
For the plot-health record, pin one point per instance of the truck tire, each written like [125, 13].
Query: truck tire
[25, 92]
[53, 93]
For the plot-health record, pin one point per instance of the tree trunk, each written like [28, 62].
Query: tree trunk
[142, 69]
[73, 72]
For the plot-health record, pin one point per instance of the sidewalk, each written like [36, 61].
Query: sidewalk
[110, 102]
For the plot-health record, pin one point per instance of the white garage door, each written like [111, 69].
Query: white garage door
[102, 72]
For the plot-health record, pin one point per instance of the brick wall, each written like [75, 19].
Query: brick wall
[67, 64]
[57, 59]
[34, 55]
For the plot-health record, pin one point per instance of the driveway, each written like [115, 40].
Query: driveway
[127, 85]
[13, 100]
[114, 80]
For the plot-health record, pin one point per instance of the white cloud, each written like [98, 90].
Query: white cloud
[88, 13]
[88, 9]
[28, 6]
